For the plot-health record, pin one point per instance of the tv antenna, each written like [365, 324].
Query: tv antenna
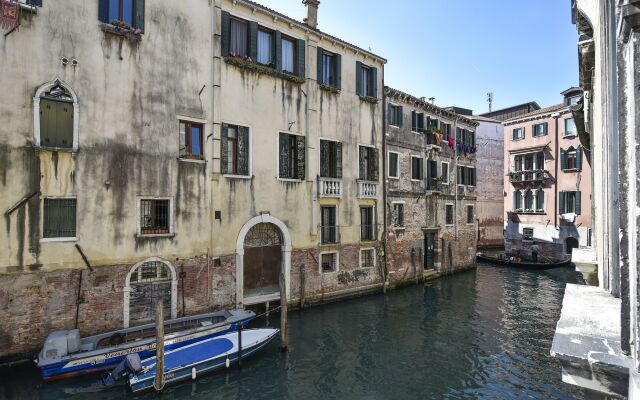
[490, 100]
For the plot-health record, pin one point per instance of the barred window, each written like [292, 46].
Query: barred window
[292, 156]
[328, 228]
[330, 159]
[367, 258]
[329, 262]
[59, 218]
[368, 159]
[527, 233]
[234, 152]
[398, 214]
[154, 217]
[367, 226]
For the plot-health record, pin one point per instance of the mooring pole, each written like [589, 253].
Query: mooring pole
[158, 384]
[240, 344]
[283, 314]
[303, 279]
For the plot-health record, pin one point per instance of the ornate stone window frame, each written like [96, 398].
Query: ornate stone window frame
[36, 111]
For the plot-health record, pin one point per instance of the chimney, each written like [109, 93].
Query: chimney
[312, 13]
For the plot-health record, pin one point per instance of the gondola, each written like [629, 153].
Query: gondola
[522, 265]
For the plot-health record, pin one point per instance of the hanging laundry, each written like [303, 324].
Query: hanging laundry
[9, 15]
[450, 140]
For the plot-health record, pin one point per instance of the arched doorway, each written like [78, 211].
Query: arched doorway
[570, 244]
[263, 251]
[147, 282]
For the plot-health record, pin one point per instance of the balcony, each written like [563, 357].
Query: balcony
[367, 189]
[329, 187]
[431, 143]
[530, 176]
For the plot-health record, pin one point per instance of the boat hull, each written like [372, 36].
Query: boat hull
[94, 362]
[533, 266]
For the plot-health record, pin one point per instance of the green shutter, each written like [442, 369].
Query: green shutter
[337, 64]
[562, 201]
[225, 30]
[139, 17]
[420, 122]
[301, 61]
[389, 112]
[319, 63]
[579, 158]
[224, 149]
[301, 157]
[578, 202]
[373, 87]
[359, 78]
[339, 160]
[253, 41]
[243, 150]
[400, 116]
[278, 52]
[374, 172]
[414, 121]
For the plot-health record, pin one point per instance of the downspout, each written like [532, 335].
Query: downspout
[555, 176]
[384, 183]
[455, 160]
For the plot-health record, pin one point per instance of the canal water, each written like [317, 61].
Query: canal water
[480, 334]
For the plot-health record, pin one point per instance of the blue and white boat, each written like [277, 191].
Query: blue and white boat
[66, 355]
[191, 361]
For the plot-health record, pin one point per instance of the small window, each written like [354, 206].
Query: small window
[570, 202]
[518, 133]
[398, 214]
[395, 115]
[234, 153]
[527, 233]
[417, 168]
[330, 159]
[366, 80]
[570, 127]
[540, 129]
[394, 167]
[238, 39]
[368, 163]
[265, 45]
[328, 225]
[367, 225]
[449, 214]
[470, 215]
[292, 156]
[328, 69]
[329, 262]
[445, 173]
[466, 176]
[417, 121]
[191, 140]
[154, 217]
[367, 258]
[288, 55]
[59, 218]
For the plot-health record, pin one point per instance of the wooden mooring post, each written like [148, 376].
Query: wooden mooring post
[158, 384]
[283, 314]
[303, 279]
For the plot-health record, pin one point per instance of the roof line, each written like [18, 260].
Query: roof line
[510, 107]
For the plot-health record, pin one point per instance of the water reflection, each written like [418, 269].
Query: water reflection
[481, 334]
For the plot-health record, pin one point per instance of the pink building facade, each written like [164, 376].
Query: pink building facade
[547, 199]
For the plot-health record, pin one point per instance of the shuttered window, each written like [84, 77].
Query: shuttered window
[234, 151]
[56, 123]
[393, 165]
[417, 168]
[329, 68]
[368, 159]
[288, 54]
[265, 47]
[59, 218]
[367, 224]
[328, 225]
[394, 115]
[238, 39]
[466, 176]
[570, 202]
[366, 80]
[330, 159]
[540, 129]
[130, 12]
[292, 156]
[571, 159]
[518, 133]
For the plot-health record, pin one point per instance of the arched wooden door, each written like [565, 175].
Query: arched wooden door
[262, 260]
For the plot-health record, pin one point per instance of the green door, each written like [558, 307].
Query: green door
[430, 250]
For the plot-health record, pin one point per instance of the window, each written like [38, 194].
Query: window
[447, 130]
[540, 129]
[445, 173]
[368, 157]
[540, 200]
[417, 168]
[288, 55]
[329, 262]
[417, 121]
[448, 208]
[59, 218]
[155, 216]
[570, 202]
[329, 68]
[56, 118]
[234, 157]
[131, 12]
[527, 233]
[366, 80]
[470, 215]
[569, 101]
[328, 227]
[570, 127]
[394, 165]
[191, 140]
[528, 200]
[571, 159]
[238, 39]
[292, 156]
[394, 115]
[466, 176]
[265, 45]
[367, 225]
[518, 133]
[330, 159]
[367, 258]
[398, 214]
[517, 201]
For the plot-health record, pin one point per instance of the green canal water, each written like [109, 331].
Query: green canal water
[480, 334]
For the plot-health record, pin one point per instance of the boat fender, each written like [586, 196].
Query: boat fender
[193, 373]
[227, 362]
[116, 339]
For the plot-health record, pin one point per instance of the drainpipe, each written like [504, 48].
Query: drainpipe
[455, 159]
[384, 180]
[555, 187]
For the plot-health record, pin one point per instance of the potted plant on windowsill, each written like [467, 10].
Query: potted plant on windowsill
[120, 28]
[329, 88]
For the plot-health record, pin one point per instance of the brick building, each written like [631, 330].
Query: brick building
[430, 189]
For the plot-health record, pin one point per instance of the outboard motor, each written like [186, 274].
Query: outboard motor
[130, 364]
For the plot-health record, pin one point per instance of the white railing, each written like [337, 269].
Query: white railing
[367, 189]
[329, 187]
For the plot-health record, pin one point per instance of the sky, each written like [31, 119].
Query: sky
[458, 50]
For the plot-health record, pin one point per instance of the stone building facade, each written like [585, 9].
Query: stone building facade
[430, 189]
[547, 183]
[193, 164]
